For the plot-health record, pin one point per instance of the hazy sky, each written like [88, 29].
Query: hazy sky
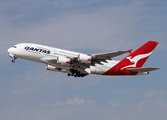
[29, 92]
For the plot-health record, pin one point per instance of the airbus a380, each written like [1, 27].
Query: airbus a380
[79, 64]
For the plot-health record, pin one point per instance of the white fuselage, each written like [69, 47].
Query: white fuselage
[79, 64]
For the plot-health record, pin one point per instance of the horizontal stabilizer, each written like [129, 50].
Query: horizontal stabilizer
[147, 69]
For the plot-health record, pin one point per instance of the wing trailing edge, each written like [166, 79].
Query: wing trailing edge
[109, 55]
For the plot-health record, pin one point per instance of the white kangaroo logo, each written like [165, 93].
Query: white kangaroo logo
[135, 59]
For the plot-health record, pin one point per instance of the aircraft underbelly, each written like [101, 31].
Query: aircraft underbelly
[98, 70]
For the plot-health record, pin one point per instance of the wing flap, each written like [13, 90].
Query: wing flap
[147, 69]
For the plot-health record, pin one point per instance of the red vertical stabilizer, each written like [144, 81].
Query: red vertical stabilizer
[135, 60]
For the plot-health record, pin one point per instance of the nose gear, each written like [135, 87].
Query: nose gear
[14, 59]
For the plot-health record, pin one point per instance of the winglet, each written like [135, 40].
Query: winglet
[130, 51]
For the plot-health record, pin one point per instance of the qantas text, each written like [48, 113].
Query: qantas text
[37, 50]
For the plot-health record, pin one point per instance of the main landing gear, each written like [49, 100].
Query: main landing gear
[76, 73]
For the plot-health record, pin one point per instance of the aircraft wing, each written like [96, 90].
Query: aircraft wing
[146, 69]
[97, 58]
[108, 55]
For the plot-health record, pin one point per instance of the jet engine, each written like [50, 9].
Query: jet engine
[63, 61]
[84, 58]
[52, 68]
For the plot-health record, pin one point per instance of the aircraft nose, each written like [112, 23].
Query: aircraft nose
[10, 50]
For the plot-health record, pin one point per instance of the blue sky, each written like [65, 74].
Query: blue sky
[29, 91]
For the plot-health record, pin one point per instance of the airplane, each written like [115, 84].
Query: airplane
[79, 64]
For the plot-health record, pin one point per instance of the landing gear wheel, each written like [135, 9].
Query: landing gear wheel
[69, 74]
[13, 60]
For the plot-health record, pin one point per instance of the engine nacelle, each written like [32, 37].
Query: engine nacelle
[84, 58]
[63, 61]
[52, 68]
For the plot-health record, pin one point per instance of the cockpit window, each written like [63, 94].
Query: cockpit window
[14, 46]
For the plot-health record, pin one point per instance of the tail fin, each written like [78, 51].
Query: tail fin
[138, 57]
